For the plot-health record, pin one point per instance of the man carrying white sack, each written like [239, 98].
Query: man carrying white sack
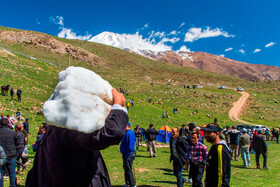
[70, 158]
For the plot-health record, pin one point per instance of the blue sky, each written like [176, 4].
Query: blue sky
[244, 30]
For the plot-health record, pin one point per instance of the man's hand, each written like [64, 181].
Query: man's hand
[118, 98]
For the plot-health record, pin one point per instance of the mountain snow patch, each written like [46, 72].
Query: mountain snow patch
[81, 101]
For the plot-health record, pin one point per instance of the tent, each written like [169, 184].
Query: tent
[164, 134]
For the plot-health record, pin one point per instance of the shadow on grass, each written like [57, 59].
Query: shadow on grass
[240, 166]
[165, 169]
[166, 182]
[137, 185]
[143, 156]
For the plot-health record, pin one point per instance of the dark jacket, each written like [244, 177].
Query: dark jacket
[9, 141]
[218, 174]
[137, 132]
[26, 126]
[259, 143]
[234, 136]
[184, 132]
[181, 149]
[70, 158]
[3, 157]
[151, 134]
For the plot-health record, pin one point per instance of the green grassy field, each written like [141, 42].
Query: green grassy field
[144, 78]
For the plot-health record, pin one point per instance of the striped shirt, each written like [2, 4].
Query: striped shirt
[197, 153]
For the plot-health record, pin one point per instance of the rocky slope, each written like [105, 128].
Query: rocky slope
[51, 44]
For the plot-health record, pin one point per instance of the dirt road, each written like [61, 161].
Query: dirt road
[238, 108]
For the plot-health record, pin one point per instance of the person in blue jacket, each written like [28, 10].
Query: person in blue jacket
[128, 151]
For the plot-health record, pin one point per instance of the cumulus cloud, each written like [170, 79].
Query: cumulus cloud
[270, 44]
[69, 34]
[242, 51]
[222, 55]
[173, 32]
[194, 34]
[182, 24]
[257, 50]
[228, 49]
[184, 49]
[59, 20]
[85, 101]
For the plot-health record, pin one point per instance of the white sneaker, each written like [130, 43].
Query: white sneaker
[189, 181]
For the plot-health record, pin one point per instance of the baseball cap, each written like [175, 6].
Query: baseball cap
[128, 123]
[210, 127]
[27, 119]
[243, 130]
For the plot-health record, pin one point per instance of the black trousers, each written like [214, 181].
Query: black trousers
[264, 159]
[197, 174]
[128, 166]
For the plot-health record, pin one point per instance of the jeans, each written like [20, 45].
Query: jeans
[197, 174]
[264, 159]
[277, 139]
[11, 166]
[177, 171]
[137, 142]
[245, 156]
[1, 177]
[128, 166]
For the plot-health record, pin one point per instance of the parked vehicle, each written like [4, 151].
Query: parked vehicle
[222, 87]
[262, 128]
[240, 89]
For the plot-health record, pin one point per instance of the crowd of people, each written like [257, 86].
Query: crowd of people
[13, 143]
[57, 147]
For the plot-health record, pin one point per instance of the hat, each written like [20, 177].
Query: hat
[243, 130]
[210, 127]
[137, 125]
[234, 127]
[128, 123]
[227, 126]
[27, 119]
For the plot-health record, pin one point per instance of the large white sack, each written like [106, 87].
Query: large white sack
[81, 101]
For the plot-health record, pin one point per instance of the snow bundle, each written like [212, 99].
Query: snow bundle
[81, 101]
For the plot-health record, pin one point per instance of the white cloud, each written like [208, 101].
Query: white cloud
[69, 34]
[228, 49]
[57, 20]
[38, 22]
[257, 50]
[159, 34]
[198, 33]
[182, 24]
[172, 40]
[146, 25]
[184, 49]
[134, 42]
[173, 32]
[270, 44]
[241, 51]
[222, 55]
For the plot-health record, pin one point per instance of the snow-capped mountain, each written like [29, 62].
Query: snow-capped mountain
[137, 44]
[184, 57]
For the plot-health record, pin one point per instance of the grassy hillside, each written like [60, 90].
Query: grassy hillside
[143, 78]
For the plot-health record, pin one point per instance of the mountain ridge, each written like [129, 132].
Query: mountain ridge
[198, 60]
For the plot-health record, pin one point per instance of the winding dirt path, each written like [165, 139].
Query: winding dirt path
[238, 108]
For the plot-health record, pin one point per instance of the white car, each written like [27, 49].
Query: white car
[240, 89]
[262, 128]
